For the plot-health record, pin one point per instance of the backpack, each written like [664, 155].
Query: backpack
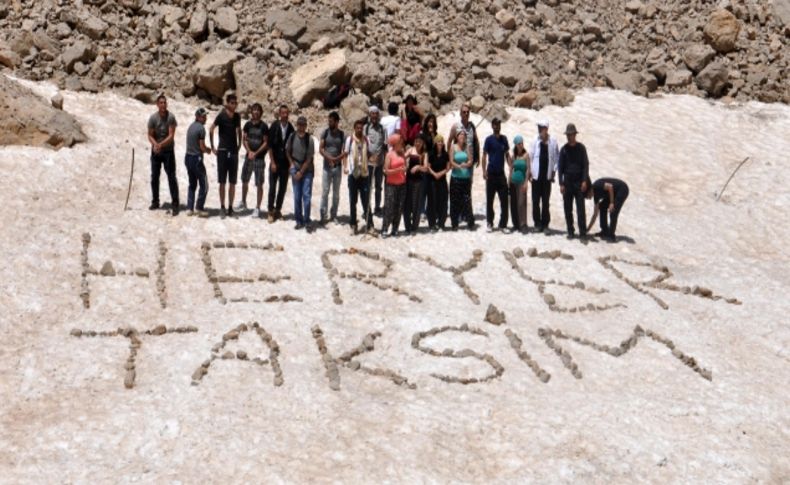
[336, 95]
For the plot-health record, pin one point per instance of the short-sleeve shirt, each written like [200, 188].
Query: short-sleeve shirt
[333, 144]
[600, 193]
[161, 126]
[195, 133]
[376, 138]
[256, 134]
[227, 130]
[496, 147]
[301, 148]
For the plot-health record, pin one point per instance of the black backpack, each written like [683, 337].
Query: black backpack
[336, 95]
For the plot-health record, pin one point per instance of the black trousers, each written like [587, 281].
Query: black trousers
[411, 211]
[497, 185]
[461, 202]
[358, 191]
[278, 185]
[573, 193]
[377, 180]
[609, 220]
[437, 201]
[166, 159]
[541, 193]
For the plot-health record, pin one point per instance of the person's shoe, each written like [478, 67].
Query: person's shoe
[377, 212]
[222, 213]
[354, 229]
[278, 215]
[270, 217]
[489, 228]
[231, 213]
[202, 213]
[256, 213]
[174, 211]
[472, 226]
[505, 230]
[153, 206]
[571, 235]
[310, 227]
[299, 226]
[190, 213]
[241, 206]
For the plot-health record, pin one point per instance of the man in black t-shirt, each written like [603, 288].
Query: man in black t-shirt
[574, 172]
[229, 124]
[255, 138]
[609, 195]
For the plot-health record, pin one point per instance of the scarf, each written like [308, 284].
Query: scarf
[359, 155]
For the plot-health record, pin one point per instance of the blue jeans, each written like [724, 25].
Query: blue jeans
[330, 180]
[303, 193]
[197, 177]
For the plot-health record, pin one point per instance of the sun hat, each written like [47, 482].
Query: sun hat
[518, 139]
[571, 129]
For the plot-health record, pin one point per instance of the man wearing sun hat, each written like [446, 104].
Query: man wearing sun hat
[545, 155]
[574, 171]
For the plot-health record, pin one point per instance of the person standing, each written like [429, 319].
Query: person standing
[428, 133]
[411, 124]
[196, 170]
[391, 125]
[472, 142]
[543, 168]
[377, 136]
[255, 139]
[416, 160]
[395, 188]
[161, 136]
[609, 195]
[229, 123]
[331, 148]
[356, 166]
[300, 150]
[574, 173]
[438, 166]
[496, 151]
[519, 174]
[279, 166]
[461, 183]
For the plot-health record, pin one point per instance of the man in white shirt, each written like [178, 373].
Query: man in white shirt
[545, 155]
[355, 165]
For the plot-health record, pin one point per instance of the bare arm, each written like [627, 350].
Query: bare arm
[594, 217]
[152, 139]
[211, 137]
[171, 135]
[609, 188]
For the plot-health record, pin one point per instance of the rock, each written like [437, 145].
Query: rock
[626, 81]
[442, 86]
[225, 21]
[8, 58]
[721, 31]
[634, 6]
[525, 100]
[698, 56]
[128, 380]
[590, 27]
[312, 80]
[494, 316]
[782, 14]
[477, 103]
[678, 78]
[506, 19]
[198, 23]
[247, 75]
[290, 24]
[713, 79]
[159, 330]
[355, 8]
[92, 26]
[214, 71]
[80, 51]
[549, 299]
[367, 77]
[354, 107]
[107, 269]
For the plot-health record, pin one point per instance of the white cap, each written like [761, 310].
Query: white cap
[373, 109]
[543, 124]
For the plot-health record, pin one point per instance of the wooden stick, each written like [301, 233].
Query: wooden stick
[718, 197]
[129, 190]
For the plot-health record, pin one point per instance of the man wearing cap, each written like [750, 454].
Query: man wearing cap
[279, 132]
[574, 173]
[196, 171]
[300, 151]
[545, 155]
[472, 142]
[377, 148]
[496, 151]
[161, 134]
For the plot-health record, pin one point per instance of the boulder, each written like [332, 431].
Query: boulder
[318, 27]
[634, 6]
[782, 14]
[290, 24]
[713, 79]
[57, 101]
[198, 23]
[32, 121]
[353, 108]
[721, 31]
[312, 80]
[442, 86]
[249, 77]
[367, 77]
[525, 100]
[678, 78]
[355, 8]
[506, 19]
[225, 21]
[509, 74]
[92, 26]
[8, 57]
[625, 81]
[80, 51]
[698, 56]
[477, 103]
[214, 71]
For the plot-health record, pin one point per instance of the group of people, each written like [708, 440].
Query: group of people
[396, 166]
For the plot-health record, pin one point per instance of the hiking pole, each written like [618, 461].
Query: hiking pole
[129, 190]
[718, 197]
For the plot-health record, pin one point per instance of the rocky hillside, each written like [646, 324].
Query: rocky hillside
[525, 53]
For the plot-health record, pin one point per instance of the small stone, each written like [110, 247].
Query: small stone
[107, 269]
[159, 330]
[494, 316]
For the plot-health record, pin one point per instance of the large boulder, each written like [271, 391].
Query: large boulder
[251, 87]
[353, 108]
[713, 79]
[92, 26]
[625, 81]
[318, 27]
[225, 21]
[80, 51]
[721, 31]
[31, 120]
[442, 86]
[214, 71]
[312, 80]
[8, 57]
[290, 24]
[198, 22]
[698, 56]
[367, 77]
[355, 8]
[782, 14]
[678, 78]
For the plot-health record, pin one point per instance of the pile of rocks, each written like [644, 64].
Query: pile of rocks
[527, 53]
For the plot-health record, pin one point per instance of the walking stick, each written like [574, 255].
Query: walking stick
[729, 179]
[129, 190]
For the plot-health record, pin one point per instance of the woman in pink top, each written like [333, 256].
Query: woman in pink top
[395, 188]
